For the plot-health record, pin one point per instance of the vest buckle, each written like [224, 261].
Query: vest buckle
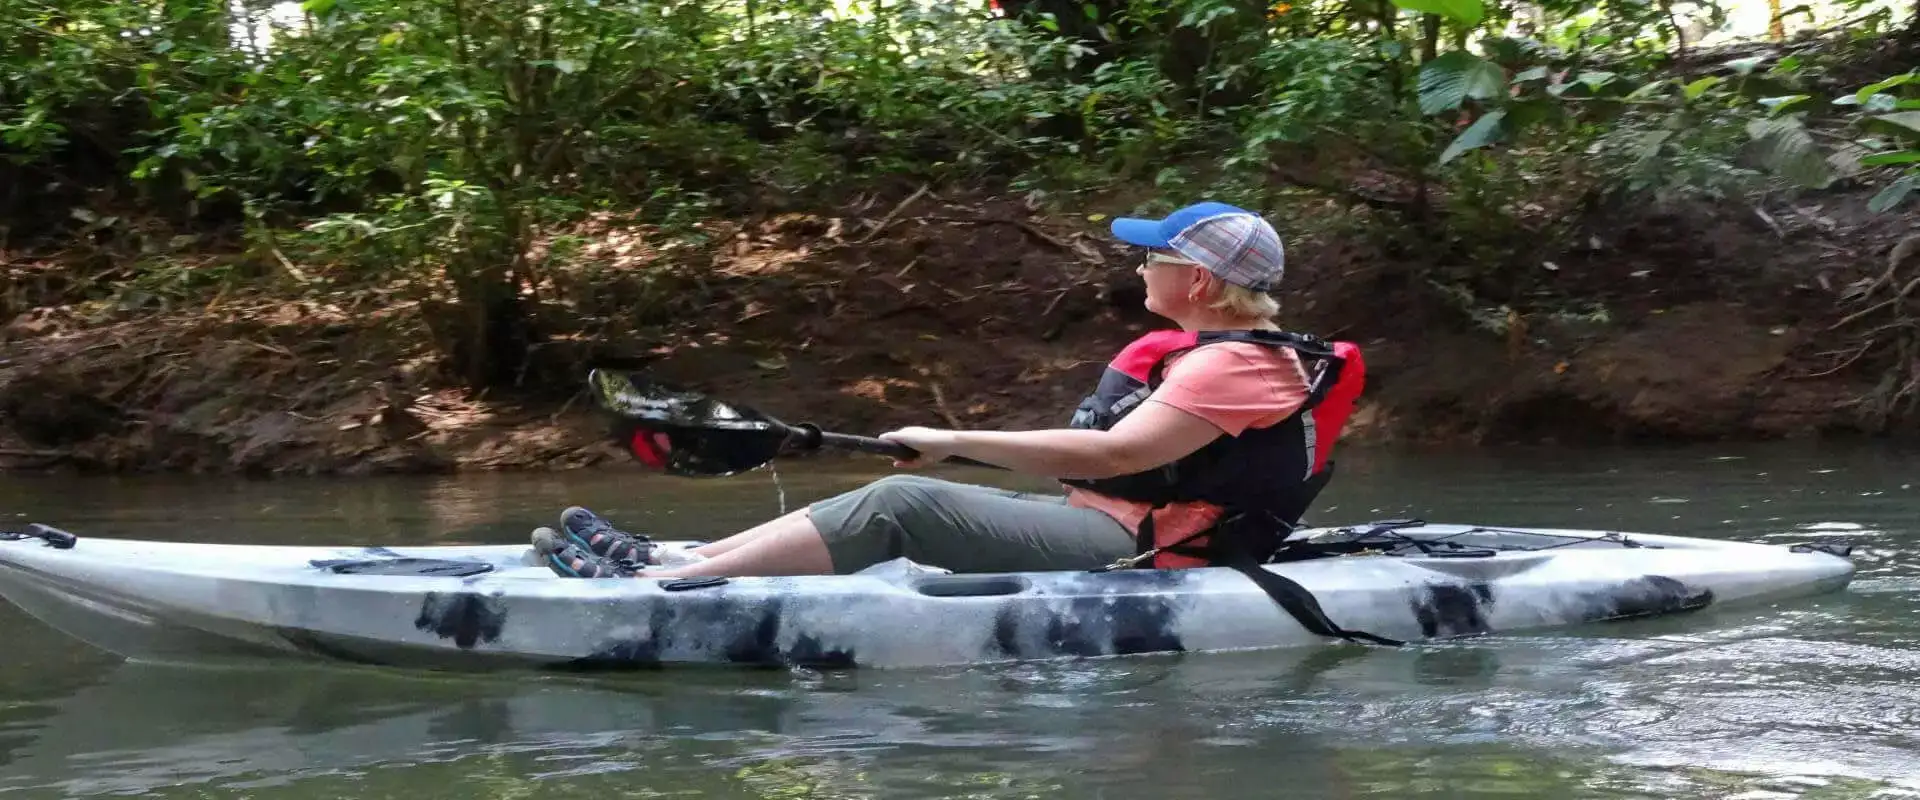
[1128, 562]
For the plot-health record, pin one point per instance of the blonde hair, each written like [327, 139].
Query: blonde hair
[1240, 301]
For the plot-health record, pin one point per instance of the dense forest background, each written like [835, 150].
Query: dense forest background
[343, 236]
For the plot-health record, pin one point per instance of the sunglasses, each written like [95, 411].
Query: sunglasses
[1156, 259]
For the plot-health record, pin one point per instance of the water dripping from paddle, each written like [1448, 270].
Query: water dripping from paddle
[779, 489]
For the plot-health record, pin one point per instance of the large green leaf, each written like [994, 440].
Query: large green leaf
[1530, 74]
[1465, 12]
[1449, 80]
[1648, 144]
[1695, 89]
[1483, 131]
[1876, 88]
[1898, 157]
[1594, 79]
[1905, 123]
[1784, 147]
[1894, 193]
[1648, 90]
[1783, 103]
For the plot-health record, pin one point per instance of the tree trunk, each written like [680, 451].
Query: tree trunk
[490, 337]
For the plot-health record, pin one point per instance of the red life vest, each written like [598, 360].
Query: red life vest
[1330, 417]
[1264, 479]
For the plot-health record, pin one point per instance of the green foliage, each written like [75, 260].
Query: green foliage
[1482, 132]
[432, 143]
[1453, 78]
[1465, 12]
[1873, 131]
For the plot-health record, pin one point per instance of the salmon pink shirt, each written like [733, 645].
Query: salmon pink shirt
[1233, 385]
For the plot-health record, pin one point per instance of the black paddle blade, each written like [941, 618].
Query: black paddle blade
[684, 432]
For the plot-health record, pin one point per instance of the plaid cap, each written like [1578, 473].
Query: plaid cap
[1232, 243]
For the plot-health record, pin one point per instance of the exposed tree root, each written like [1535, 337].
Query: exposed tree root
[1883, 329]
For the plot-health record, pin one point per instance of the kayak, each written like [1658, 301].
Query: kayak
[495, 607]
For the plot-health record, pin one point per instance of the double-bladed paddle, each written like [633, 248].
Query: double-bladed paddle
[690, 434]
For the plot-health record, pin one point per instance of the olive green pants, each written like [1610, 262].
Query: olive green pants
[964, 528]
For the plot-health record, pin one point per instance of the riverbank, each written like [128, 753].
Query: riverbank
[1686, 323]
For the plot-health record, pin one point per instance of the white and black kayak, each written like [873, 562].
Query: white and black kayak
[494, 607]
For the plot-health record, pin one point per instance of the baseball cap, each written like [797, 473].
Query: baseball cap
[1232, 243]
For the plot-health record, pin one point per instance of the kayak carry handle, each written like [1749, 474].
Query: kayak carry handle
[54, 537]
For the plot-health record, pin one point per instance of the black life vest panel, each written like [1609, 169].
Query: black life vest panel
[1264, 479]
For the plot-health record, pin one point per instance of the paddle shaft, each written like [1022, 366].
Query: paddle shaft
[868, 444]
[709, 438]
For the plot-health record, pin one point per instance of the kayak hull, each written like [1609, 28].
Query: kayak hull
[169, 601]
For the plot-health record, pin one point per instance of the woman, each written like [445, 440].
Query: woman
[1190, 430]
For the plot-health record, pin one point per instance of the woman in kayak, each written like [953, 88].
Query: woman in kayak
[1217, 407]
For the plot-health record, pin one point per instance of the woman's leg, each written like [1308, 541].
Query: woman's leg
[788, 545]
[959, 526]
[970, 529]
[731, 543]
[785, 522]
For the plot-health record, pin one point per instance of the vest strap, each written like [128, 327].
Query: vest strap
[1285, 592]
[1297, 601]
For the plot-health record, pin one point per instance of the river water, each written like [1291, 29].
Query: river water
[1814, 698]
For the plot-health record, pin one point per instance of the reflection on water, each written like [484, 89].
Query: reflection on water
[1813, 698]
[1545, 719]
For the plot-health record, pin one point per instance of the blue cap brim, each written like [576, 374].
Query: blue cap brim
[1142, 232]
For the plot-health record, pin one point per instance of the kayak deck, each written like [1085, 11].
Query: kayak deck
[182, 601]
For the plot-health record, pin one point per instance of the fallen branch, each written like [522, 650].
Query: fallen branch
[20, 453]
[1029, 227]
[1058, 294]
[1351, 195]
[292, 271]
[1855, 316]
[275, 349]
[887, 221]
[940, 402]
[1771, 224]
[1857, 353]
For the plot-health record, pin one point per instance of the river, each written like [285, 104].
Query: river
[1814, 698]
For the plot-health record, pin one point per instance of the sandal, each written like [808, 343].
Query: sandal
[568, 560]
[597, 536]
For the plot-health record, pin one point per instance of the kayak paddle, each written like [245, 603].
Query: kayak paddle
[689, 434]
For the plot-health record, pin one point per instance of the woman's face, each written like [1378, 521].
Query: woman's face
[1171, 281]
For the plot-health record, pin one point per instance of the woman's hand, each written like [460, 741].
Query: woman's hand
[933, 445]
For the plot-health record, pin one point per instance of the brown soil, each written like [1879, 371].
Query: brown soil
[962, 313]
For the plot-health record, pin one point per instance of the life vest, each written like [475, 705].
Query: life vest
[1264, 479]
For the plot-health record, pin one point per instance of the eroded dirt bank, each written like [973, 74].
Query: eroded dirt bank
[1704, 323]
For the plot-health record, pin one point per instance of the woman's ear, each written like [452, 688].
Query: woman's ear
[1202, 286]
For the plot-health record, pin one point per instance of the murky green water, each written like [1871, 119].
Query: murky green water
[1817, 698]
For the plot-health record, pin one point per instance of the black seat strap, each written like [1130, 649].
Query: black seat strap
[1223, 551]
[1297, 601]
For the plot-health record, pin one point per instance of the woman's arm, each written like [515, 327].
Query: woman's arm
[1210, 392]
[1153, 434]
